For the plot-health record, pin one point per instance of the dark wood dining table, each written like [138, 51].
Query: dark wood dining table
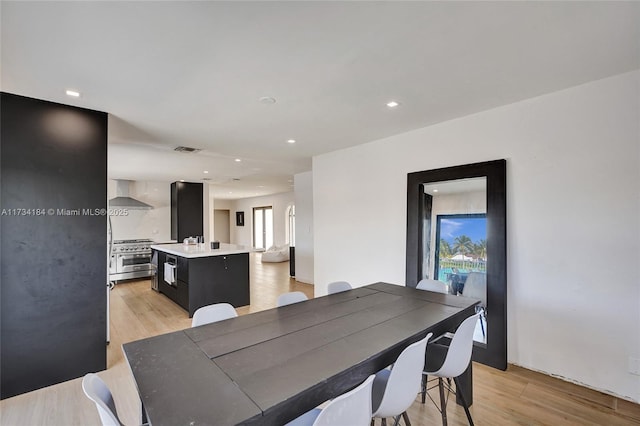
[269, 367]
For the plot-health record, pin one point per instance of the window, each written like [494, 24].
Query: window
[262, 227]
[291, 225]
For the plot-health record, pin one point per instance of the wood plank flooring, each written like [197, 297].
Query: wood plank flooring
[515, 397]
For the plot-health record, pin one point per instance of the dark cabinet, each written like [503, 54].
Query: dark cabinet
[186, 210]
[226, 279]
[182, 295]
[202, 281]
[182, 272]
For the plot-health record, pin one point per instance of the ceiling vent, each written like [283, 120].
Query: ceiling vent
[186, 149]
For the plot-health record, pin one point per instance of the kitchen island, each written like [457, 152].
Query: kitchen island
[196, 275]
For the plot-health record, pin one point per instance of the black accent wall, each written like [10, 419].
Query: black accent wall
[186, 210]
[53, 243]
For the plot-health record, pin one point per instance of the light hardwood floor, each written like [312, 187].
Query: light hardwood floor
[515, 397]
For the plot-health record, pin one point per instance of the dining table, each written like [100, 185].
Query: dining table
[269, 367]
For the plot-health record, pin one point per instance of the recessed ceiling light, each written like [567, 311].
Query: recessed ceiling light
[435, 190]
[238, 160]
[291, 141]
[267, 100]
[392, 104]
[73, 93]
[181, 180]
[206, 171]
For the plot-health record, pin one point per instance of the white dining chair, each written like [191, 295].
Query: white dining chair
[433, 285]
[437, 286]
[395, 389]
[338, 287]
[97, 391]
[455, 363]
[213, 313]
[352, 408]
[291, 297]
[475, 287]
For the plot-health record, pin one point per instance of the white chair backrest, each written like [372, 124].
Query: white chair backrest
[338, 287]
[352, 408]
[404, 381]
[98, 392]
[460, 348]
[213, 313]
[433, 285]
[476, 287]
[291, 297]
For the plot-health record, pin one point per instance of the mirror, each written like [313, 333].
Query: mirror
[455, 240]
[456, 233]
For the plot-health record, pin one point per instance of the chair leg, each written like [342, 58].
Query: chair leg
[145, 421]
[384, 422]
[396, 420]
[373, 422]
[464, 402]
[443, 402]
[424, 388]
[405, 416]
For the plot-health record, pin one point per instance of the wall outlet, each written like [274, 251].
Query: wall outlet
[634, 365]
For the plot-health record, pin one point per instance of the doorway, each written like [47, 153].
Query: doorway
[221, 228]
[262, 227]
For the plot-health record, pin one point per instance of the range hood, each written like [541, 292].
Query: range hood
[123, 200]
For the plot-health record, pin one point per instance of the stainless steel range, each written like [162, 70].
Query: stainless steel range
[130, 259]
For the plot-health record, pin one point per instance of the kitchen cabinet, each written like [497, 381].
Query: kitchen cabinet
[206, 276]
[182, 295]
[186, 210]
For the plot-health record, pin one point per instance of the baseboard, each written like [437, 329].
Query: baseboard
[616, 403]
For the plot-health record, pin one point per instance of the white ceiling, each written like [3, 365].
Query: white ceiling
[191, 73]
[458, 186]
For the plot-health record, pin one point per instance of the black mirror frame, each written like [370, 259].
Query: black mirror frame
[494, 352]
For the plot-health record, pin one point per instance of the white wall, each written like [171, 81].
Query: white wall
[242, 234]
[154, 224]
[303, 188]
[224, 204]
[573, 221]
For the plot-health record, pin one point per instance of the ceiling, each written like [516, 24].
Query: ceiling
[192, 73]
[458, 186]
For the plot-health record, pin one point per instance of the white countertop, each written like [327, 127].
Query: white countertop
[200, 250]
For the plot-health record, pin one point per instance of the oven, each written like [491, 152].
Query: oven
[130, 259]
[133, 262]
